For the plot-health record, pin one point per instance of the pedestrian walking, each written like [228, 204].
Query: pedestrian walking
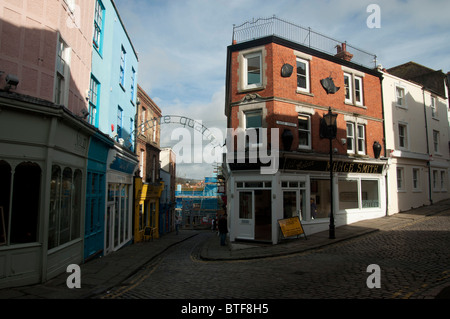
[213, 225]
[223, 229]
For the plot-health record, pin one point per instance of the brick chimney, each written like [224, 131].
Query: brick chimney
[342, 52]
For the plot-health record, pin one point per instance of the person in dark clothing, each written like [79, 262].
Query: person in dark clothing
[223, 229]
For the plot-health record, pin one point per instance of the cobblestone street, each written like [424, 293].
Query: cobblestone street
[414, 262]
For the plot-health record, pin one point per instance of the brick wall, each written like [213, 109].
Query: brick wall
[281, 98]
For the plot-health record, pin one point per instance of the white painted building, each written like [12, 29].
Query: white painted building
[417, 143]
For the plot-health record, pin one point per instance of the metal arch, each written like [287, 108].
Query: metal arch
[173, 119]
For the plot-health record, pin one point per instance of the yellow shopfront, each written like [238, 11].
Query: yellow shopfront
[146, 209]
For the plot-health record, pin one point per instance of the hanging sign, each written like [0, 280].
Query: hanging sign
[291, 227]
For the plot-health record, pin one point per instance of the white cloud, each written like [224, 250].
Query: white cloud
[182, 44]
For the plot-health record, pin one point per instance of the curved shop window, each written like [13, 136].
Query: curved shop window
[19, 211]
[65, 206]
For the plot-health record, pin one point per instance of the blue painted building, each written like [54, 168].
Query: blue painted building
[112, 110]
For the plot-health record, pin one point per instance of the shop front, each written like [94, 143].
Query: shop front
[146, 208]
[301, 187]
[122, 165]
[43, 156]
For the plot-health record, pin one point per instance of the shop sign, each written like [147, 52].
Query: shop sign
[338, 166]
[291, 227]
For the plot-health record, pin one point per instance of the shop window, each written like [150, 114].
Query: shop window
[348, 194]
[369, 194]
[320, 198]
[5, 189]
[65, 206]
[358, 193]
[119, 195]
[25, 203]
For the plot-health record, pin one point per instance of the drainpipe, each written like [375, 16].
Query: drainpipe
[386, 183]
[428, 146]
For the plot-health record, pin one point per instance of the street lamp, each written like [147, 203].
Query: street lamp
[328, 129]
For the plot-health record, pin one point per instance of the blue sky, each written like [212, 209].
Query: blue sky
[182, 45]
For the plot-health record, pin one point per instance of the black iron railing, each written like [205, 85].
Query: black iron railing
[263, 27]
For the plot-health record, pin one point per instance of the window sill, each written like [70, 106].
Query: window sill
[246, 90]
[355, 105]
[304, 92]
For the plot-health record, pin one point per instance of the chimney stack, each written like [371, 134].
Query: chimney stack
[342, 52]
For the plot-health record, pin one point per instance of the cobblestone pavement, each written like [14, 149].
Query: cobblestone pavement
[414, 262]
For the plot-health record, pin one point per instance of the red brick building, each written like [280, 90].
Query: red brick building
[276, 82]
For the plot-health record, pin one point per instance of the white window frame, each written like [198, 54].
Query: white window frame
[416, 180]
[433, 106]
[245, 70]
[246, 113]
[351, 138]
[443, 179]
[354, 139]
[307, 89]
[400, 177]
[435, 179]
[62, 72]
[397, 97]
[308, 131]
[359, 138]
[436, 140]
[405, 136]
[350, 88]
[361, 89]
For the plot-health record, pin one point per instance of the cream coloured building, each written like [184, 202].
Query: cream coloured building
[417, 144]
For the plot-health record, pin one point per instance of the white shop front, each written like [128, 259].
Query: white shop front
[301, 187]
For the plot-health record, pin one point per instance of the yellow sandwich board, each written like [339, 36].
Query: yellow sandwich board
[291, 227]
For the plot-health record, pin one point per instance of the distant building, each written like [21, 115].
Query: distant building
[167, 200]
[148, 185]
[198, 204]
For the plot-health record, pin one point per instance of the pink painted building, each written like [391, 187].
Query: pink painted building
[47, 46]
[45, 68]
